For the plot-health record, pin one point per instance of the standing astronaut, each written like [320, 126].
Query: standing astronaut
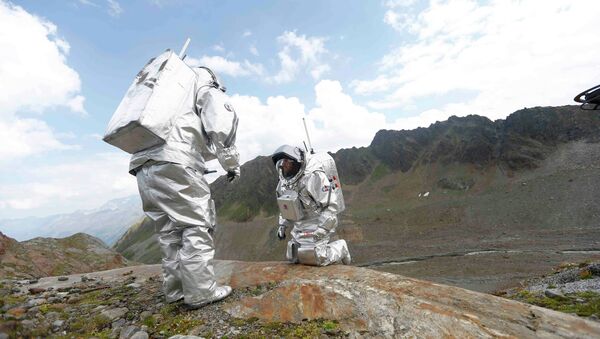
[309, 198]
[176, 195]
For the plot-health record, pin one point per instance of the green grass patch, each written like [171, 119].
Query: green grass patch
[173, 320]
[238, 212]
[388, 189]
[307, 329]
[59, 269]
[260, 289]
[138, 232]
[12, 300]
[181, 323]
[239, 322]
[88, 326]
[583, 304]
[379, 172]
[329, 325]
[149, 321]
[93, 298]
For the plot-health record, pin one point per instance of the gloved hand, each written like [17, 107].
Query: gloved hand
[281, 232]
[320, 233]
[233, 174]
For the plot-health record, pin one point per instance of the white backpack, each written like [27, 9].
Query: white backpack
[159, 92]
[324, 162]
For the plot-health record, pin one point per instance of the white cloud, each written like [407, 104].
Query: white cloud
[399, 3]
[399, 21]
[265, 126]
[114, 8]
[88, 3]
[246, 33]
[300, 52]
[504, 54]
[81, 184]
[159, 3]
[95, 136]
[34, 73]
[338, 121]
[222, 65]
[24, 137]
[254, 51]
[219, 48]
[35, 77]
[319, 70]
[334, 122]
[76, 105]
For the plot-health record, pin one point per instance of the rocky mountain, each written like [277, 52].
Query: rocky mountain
[468, 201]
[520, 142]
[274, 299]
[107, 222]
[41, 257]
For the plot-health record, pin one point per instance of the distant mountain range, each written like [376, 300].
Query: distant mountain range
[107, 222]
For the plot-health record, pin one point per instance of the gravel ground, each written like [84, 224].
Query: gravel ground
[130, 308]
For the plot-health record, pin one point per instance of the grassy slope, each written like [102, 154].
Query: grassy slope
[139, 243]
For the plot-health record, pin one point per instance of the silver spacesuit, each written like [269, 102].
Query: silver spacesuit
[176, 195]
[309, 198]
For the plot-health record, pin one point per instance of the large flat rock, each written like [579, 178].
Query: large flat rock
[373, 303]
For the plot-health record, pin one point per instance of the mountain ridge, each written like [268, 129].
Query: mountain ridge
[107, 222]
[39, 257]
[521, 141]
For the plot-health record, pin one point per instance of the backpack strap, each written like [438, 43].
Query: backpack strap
[215, 83]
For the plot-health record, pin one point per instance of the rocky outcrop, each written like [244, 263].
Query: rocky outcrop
[271, 297]
[42, 257]
[390, 305]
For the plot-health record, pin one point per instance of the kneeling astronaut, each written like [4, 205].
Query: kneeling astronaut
[309, 196]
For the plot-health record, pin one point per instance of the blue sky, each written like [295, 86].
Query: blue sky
[350, 67]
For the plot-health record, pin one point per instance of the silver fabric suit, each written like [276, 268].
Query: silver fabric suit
[321, 202]
[176, 196]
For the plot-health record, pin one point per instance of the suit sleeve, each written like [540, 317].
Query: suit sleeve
[219, 122]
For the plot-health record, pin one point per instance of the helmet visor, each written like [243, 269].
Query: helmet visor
[288, 168]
